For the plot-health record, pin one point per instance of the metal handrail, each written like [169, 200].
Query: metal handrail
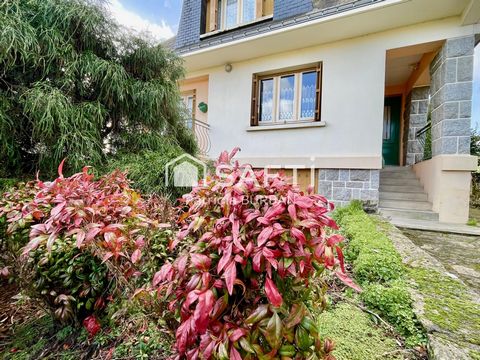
[201, 131]
[424, 129]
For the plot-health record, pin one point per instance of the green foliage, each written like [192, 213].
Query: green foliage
[378, 268]
[29, 339]
[394, 301]
[427, 145]
[7, 183]
[77, 85]
[355, 335]
[147, 170]
[448, 303]
[472, 222]
[77, 254]
[372, 253]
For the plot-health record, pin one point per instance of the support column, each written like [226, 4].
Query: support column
[447, 176]
[451, 89]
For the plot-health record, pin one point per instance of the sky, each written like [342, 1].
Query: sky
[476, 91]
[160, 18]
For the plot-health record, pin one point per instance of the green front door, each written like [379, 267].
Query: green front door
[391, 130]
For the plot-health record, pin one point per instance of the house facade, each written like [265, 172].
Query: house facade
[365, 99]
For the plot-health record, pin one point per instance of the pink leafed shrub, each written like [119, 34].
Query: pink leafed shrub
[241, 289]
[84, 240]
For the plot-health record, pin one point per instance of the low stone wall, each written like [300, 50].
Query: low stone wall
[344, 185]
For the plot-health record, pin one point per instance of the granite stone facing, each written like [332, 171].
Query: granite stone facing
[416, 119]
[355, 184]
[451, 96]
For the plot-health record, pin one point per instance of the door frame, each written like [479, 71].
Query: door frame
[399, 146]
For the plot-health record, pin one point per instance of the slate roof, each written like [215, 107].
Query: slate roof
[272, 24]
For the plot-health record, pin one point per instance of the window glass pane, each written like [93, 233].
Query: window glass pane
[308, 96]
[231, 13]
[266, 100]
[287, 95]
[387, 123]
[248, 10]
[219, 15]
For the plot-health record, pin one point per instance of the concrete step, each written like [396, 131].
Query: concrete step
[408, 214]
[406, 204]
[399, 181]
[401, 188]
[397, 169]
[413, 196]
[398, 175]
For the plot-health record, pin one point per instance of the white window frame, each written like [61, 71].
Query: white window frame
[298, 78]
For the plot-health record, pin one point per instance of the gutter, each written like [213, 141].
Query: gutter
[309, 19]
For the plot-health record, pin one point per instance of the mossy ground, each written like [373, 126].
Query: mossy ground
[378, 268]
[448, 303]
[356, 336]
[39, 338]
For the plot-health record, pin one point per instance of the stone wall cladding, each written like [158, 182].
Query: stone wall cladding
[283, 9]
[344, 185]
[451, 89]
[417, 114]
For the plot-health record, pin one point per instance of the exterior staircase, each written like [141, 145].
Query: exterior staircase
[402, 196]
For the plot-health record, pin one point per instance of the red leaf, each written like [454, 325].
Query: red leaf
[234, 354]
[200, 261]
[60, 169]
[347, 281]
[225, 258]
[298, 234]
[107, 256]
[237, 334]
[334, 239]
[230, 276]
[264, 235]
[340, 258]
[92, 233]
[272, 293]
[202, 311]
[80, 238]
[136, 255]
[92, 325]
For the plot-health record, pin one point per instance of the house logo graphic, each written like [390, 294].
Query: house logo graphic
[185, 171]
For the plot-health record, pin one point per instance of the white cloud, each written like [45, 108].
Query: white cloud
[138, 24]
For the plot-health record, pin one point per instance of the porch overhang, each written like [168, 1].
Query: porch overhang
[375, 18]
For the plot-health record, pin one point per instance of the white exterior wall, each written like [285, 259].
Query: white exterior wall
[352, 100]
[353, 116]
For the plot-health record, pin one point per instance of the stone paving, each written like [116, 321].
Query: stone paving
[459, 254]
[444, 282]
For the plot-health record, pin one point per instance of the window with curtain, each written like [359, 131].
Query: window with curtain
[287, 96]
[229, 14]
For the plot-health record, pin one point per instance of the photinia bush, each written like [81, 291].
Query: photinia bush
[256, 243]
[12, 204]
[84, 240]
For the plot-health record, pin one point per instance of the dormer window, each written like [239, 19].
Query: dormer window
[229, 14]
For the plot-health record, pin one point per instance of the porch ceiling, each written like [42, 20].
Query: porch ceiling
[403, 62]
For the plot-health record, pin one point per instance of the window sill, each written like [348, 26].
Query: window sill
[236, 27]
[287, 126]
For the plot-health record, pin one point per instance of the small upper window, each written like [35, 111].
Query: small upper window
[287, 97]
[228, 14]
